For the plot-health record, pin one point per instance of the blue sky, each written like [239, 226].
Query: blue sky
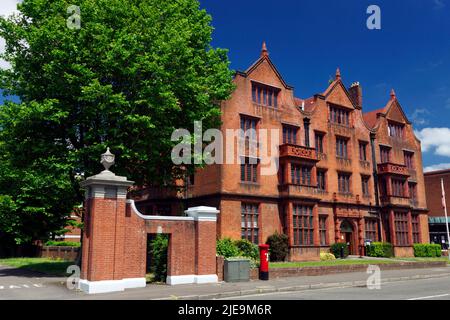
[308, 39]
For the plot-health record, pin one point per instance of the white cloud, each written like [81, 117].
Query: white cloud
[3, 63]
[434, 167]
[418, 117]
[436, 140]
[7, 8]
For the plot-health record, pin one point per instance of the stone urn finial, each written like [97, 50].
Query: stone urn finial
[107, 159]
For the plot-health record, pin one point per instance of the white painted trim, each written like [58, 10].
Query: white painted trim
[134, 283]
[70, 237]
[192, 278]
[104, 286]
[185, 279]
[93, 287]
[203, 213]
[168, 218]
[206, 278]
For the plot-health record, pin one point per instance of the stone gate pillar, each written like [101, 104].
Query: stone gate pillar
[205, 243]
[103, 266]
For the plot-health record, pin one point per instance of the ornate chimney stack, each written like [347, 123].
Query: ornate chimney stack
[355, 92]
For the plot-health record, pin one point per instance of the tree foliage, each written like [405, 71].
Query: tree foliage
[135, 71]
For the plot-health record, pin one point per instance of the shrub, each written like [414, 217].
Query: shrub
[158, 251]
[336, 248]
[62, 243]
[427, 250]
[278, 247]
[247, 249]
[380, 249]
[227, 248]
[324, 256]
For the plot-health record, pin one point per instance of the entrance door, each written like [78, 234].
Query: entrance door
[347, 232]
[349, 241]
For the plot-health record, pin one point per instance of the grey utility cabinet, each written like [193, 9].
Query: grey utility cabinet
[236, 270]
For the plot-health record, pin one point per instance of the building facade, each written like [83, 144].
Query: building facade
[436, 220]
[344, 175]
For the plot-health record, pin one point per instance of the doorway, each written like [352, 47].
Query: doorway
[348, 236]
[156, 264]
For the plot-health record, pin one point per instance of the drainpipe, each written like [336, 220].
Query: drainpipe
[375, 184]
[306, 122]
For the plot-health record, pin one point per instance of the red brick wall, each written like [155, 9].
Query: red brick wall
[181, 251]
[60, 252]
[304, 254]
[115, 243]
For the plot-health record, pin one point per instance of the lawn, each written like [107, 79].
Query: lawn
[338, 262]
[424, 259]
[45, 265]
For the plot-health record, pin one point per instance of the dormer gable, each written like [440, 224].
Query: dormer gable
[337, 93]
[393, 111]
[264, 68]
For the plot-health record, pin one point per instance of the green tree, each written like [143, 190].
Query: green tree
[133, 72]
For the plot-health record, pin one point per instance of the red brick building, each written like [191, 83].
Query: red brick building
[438, 231]
[332, 157]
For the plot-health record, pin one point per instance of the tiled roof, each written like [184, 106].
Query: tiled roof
[309, 103]
[436, 172]
[371, 117]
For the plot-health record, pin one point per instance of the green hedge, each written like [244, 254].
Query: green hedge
[237, 248]
[62, 243]
[427, 250]
[227, 248]
[380, 249]
[278, 247]
[247, 249]
[335, 249]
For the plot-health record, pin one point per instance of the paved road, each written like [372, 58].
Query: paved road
[22, 284]
[421, 289]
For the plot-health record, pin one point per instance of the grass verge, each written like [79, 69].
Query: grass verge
[49, 266]
[424, 259]
[336, 262]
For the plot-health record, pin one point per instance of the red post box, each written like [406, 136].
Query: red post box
[264, 262]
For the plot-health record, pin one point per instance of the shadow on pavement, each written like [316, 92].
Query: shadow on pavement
[55, 270]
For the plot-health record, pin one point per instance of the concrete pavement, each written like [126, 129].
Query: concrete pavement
[418, 289]
[20, 284]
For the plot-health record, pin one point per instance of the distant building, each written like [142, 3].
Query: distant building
[436, 220]
[73, 233]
